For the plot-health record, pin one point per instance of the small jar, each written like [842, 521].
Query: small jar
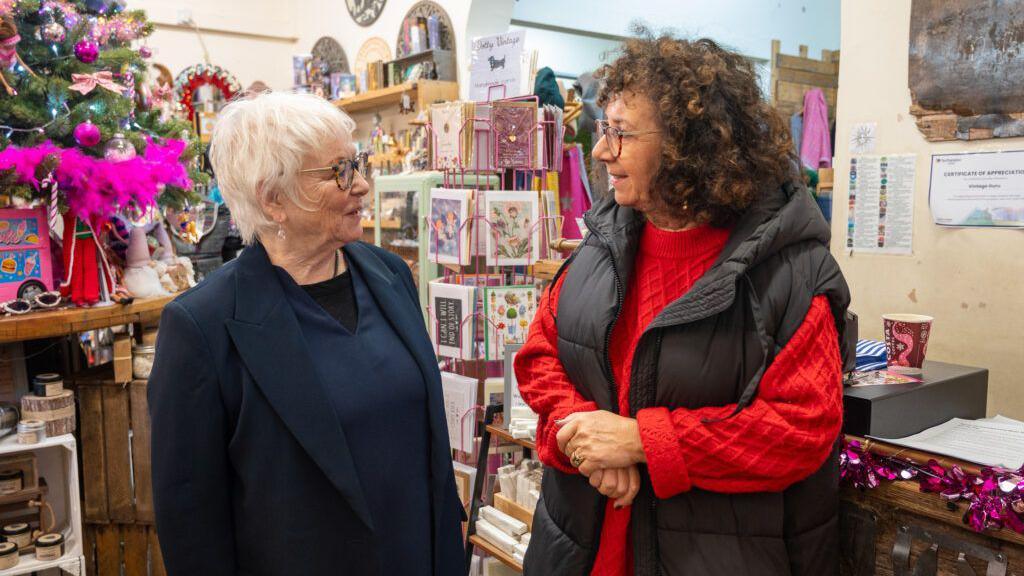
[8, 555]
[11, 481]
[9, 416]
[20, 534]
[49, 547]
[31, 431]
[142, 361]
[47, 385]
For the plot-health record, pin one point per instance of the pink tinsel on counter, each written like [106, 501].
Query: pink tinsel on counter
[94, 187]
[994, 500]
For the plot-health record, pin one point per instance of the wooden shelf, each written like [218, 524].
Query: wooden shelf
[50, 324]
[392, 95]
[506, 436]
[495, 552]
[26, 495]
[546, 269]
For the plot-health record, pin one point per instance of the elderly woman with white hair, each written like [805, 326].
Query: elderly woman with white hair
[297, 416]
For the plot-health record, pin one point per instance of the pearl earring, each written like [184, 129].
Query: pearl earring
[280, 232]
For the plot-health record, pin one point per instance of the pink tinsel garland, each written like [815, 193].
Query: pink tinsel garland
[995, 499]
[95, 187]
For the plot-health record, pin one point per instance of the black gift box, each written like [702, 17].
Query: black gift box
[897, 410]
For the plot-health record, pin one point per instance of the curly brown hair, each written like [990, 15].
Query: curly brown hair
[724, 144]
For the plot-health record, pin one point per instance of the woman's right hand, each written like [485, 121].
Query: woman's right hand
[621, 484]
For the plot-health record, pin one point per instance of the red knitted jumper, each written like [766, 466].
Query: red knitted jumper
[782, 437]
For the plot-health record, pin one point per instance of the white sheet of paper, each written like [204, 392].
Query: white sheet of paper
[984, 189]
[990, 442]
[881, 217]
[459, 400]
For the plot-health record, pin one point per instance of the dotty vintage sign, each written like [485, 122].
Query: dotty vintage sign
[496, 68]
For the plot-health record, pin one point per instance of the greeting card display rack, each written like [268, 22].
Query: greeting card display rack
[504, 244]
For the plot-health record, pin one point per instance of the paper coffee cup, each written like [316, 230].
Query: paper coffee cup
[906, 341]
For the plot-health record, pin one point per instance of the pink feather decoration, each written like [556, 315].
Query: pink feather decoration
[94, 187]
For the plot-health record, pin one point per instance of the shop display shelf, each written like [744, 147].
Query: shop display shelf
[507, 437]
[58, 457]
[495, 552]
[65, 321]
[392, 95]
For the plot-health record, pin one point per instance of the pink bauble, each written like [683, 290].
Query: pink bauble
[87, 134]
[87, 51]
[145, 52]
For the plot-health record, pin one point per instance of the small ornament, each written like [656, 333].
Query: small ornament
[87, 51]
[145, 52]
[119, 149]
[87, 134]
[54, 32]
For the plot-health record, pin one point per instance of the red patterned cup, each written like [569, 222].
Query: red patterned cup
[906, 341]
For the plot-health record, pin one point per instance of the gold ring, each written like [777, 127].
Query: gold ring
[576, 460]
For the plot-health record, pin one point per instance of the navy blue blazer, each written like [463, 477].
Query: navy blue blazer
[251, 471]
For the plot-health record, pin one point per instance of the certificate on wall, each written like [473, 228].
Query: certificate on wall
[984, 189]
[881, 216]
[496, 67]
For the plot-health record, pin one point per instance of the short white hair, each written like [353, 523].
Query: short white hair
[260, 143]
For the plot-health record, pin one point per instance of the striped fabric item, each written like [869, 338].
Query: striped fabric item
[870, 355]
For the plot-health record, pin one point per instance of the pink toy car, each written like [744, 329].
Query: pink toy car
[25, 267]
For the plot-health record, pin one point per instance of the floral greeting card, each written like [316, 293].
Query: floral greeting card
[513, 238]
[509, 311]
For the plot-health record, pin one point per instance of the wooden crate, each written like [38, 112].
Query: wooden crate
[108, 547]
[878, 523]
[116, 464]
[793, 76]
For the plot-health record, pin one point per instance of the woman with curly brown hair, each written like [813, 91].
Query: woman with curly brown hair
[686, 362]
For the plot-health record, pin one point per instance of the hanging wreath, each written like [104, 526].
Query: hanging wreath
[191, 78]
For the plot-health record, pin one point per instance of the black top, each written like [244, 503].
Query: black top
[338, 298]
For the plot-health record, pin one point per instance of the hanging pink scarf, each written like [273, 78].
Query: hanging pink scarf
[816, 144]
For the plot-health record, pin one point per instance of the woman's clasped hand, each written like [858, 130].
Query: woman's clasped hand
[606, 448]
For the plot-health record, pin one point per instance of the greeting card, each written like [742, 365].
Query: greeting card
[453, 134]
[448, 238]
[451, 312]
[514, 132]
[459, 402]
[509, 311]
[512, 237]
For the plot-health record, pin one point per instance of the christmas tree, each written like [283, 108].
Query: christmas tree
[74, 126]
[78, 136]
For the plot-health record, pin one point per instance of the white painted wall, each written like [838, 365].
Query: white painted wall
[968, 279]
[747, 26]
[252, 39]
[256, 39]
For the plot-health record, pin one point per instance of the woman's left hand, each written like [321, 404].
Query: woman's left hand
[600, 440]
